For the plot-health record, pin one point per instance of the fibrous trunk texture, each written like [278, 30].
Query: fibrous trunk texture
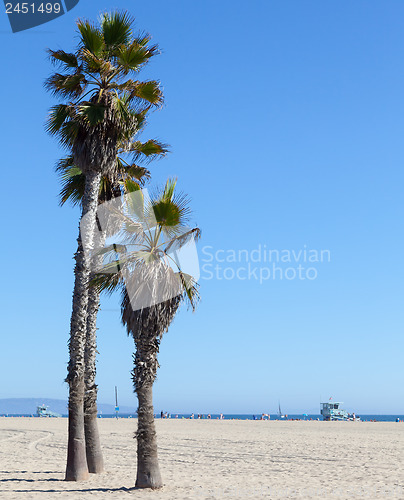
[95, 459]
[76, 468]
[147, 326]
[148, 471]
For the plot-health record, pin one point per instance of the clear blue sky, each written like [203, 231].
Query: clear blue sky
[286, 124]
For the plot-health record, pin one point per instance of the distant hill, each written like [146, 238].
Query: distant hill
[27, 406]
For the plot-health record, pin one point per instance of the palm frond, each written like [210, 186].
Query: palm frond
[73, 181]
[91, 37]
[142, 38]
[130, 185]
[124, 113]
[191, 289]
[134, 56]
[93, 113]
[66, 59]
[168, 191]
[149, 91]
[64, 164]
[141, 174]
[178, 242]
[171, 209]
[167, 214]
[116, 28]
[96, 64]
[68, 133]
[58, 116]
[107, 282]
[148, 150]
[66, 85]
[183, 203]
[141, 118]
[135, 199]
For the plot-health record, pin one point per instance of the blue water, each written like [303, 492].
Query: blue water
[378, 418]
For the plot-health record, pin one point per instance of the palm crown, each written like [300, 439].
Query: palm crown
[105, 106]
[144, 263]
[126, 171]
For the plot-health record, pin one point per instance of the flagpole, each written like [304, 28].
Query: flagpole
[116, 402]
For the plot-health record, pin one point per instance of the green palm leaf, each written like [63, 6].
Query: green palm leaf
[93, 113]
[91, 37]
[95, 64]
[149, 150]
[167, 214]
[191, 289]
[148, 91]
[141, 174]
[168, 191]
[58, 116]
[68, 60]
[116, 29]
[73, 181]
[66, 85]
[133, 57]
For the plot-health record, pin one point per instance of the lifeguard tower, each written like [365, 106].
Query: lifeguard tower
[43, 411]
[331, 410]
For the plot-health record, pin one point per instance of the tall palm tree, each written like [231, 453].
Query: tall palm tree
[146, 269]
[73, 181]
[100, 113]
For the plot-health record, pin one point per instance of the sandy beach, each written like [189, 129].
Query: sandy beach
[212, 459]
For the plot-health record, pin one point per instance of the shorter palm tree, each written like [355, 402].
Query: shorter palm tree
[147, 270]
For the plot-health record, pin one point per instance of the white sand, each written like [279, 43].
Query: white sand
[212, 459]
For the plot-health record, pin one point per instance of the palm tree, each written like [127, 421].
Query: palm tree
[73, 181]
[147, 270]
[101, 112]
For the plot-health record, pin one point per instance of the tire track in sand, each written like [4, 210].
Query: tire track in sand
[33, 445]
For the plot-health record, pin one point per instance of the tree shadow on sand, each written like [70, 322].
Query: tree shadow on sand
[31, 472]
[86, 490]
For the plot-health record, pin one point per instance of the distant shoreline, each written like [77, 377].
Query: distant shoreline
[186, 416]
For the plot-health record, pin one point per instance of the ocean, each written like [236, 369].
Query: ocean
[214, 416]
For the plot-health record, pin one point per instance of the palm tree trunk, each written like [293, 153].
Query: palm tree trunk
[95, 460]
[147, 326]
[148, 471]
[76, 468]
[144, 375]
